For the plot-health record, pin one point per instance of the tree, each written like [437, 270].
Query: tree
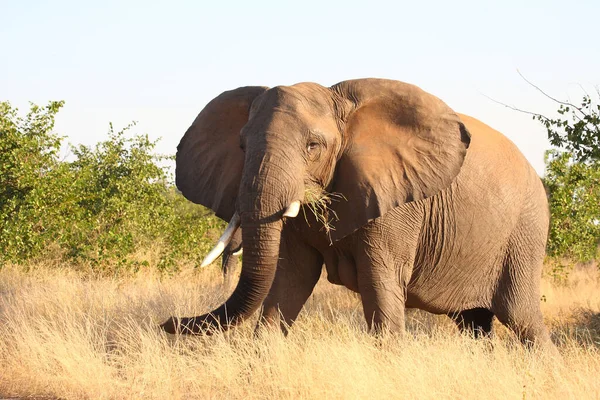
[578, 135]
[574, 199]
[572, 177]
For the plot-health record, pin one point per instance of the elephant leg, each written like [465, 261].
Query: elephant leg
[526, 321]
[517, 299]
[528, 325]
[298, 271]
[477, 321]
[383, 301]
[385, 255]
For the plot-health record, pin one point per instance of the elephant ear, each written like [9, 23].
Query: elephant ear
[209, 161]
[402, 145]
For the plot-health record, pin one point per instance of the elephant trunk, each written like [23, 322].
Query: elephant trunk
[263, 193]
[261, 251]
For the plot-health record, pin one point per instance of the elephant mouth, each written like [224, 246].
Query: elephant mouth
[318, 202]
[292, 211]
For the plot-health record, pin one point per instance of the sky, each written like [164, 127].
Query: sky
[159, 63]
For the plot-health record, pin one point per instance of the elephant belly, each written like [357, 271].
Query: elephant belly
[443, 297]
[456, 281]
[463, 247]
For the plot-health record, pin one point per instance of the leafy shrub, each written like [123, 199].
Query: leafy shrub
[30, 180]
[580, 134]
[574, 197]
[572, 180]
[114, 205]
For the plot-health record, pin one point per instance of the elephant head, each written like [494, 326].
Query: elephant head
[252, 154]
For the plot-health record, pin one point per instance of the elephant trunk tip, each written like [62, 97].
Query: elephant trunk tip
[203, 325]
[171, 325]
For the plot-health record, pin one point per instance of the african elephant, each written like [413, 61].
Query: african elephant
[427, 208]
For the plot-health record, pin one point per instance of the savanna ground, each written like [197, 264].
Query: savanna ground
[67, 334]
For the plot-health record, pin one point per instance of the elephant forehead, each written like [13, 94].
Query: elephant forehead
[300, 98]
[292, 111]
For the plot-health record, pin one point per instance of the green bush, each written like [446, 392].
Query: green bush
[30, 180]
[574, 197]
[113, 205]
[579, 134]
[572, 180]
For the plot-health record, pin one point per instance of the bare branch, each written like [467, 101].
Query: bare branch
[583, 89]
[564, 103]
[515, 108]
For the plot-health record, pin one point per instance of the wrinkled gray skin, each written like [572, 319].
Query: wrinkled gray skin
[441, 212]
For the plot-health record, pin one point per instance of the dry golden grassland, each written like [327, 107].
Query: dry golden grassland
[64, 334]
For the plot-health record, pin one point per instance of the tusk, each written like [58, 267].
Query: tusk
[239, 252]
[224, 240]
[292, 210]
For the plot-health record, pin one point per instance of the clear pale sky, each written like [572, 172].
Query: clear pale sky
[159, 63]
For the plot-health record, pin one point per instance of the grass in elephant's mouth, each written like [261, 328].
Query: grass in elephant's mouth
[317, 201]
[64, 334]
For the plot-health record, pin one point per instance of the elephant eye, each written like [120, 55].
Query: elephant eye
[312, 146]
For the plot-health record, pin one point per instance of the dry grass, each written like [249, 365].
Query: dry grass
[318, 202]
[66, 335]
